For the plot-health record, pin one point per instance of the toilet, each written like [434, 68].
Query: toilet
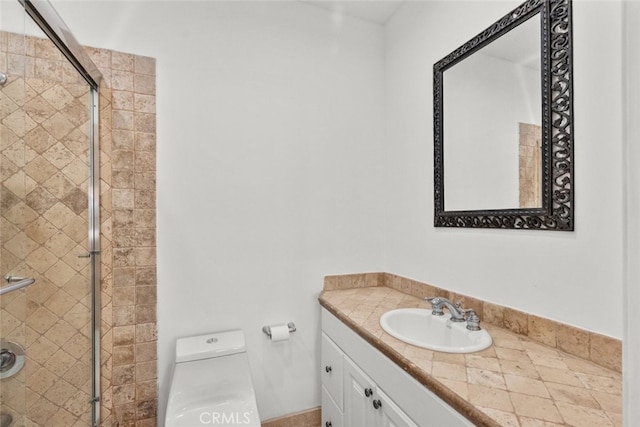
[211, 383]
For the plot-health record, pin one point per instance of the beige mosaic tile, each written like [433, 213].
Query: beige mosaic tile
[542, 330]
[449, 371]
[577, 415]
[43, 151]
[526, 385]
[518, 381]
[505, 419]
[351, 281]
[606, 351]
[309, 418]
[516, 321]
[133, 202]
[488, 397]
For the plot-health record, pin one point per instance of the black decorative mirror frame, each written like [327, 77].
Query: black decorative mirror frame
[557, 211]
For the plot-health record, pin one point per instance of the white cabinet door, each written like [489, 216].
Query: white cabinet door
[358, 396]
[331, 369]
[388, 414]
[331, 415]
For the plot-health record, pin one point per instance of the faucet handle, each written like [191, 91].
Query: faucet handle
[472, 318]
[436, 305]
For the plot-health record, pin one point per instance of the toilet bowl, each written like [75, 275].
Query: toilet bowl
[211, 383]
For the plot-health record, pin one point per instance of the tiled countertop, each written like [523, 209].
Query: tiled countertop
[515, 382]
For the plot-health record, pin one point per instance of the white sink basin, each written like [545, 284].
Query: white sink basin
[419, 327]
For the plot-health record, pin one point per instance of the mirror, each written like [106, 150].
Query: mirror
[503, 124]
[487, 98]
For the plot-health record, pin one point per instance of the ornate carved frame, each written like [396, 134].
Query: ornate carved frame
[557, 211]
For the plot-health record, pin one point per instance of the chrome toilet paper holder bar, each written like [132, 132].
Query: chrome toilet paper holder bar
[267, 329]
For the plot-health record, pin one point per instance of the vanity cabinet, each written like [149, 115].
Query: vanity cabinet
[350, 397]
[366, 405]
[361, 387]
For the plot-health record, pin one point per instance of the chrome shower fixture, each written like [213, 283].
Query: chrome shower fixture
[3, 78]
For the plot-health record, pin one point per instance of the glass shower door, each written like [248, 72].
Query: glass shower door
[12, 227]
[44, 162]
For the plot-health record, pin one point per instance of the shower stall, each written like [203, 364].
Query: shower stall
[49, 222]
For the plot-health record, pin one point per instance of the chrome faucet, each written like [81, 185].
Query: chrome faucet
[438, 303]
[458, 314]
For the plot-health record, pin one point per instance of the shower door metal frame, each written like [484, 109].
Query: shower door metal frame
[46, 17]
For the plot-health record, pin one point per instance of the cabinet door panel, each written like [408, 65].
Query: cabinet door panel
[358, 395]
[331, 415]
[389, 414]
[331, 369]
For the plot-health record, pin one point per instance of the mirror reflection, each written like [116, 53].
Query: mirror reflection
[492, 127]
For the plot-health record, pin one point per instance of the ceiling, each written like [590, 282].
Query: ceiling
[375, 11]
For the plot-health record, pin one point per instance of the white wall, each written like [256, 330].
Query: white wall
[13, 18]
[270, 133]
[574, 278]
[631, 348]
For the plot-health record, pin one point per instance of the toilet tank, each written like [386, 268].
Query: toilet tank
[209, 346]
[211, 383]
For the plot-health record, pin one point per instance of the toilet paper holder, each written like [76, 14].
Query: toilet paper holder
[267, 329]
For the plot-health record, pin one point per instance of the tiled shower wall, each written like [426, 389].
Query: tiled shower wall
[50, 318]
[128, 178]
[530, 165]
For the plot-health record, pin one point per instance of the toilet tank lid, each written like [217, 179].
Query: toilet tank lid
[211, 345]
